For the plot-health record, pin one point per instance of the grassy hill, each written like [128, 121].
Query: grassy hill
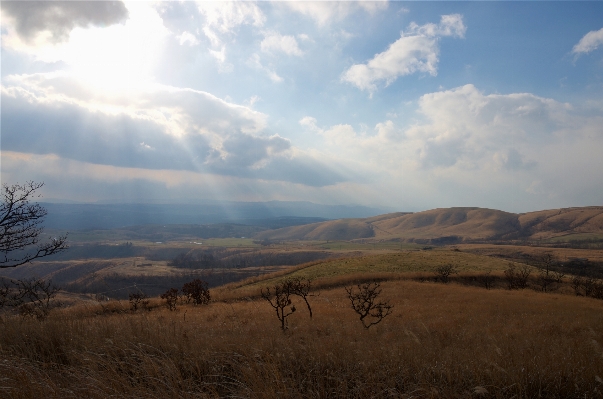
[450, 225]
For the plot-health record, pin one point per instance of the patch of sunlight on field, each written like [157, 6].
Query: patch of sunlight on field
[228, 242]
[575, 237]
[364, 245]
[403, 262]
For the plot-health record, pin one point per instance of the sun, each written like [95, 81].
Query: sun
[120, 56]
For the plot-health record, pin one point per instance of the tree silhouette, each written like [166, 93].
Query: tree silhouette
[21, 227]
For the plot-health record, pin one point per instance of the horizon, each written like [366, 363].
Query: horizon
[400, 106]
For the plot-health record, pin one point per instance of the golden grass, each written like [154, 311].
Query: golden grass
[410, 264]
[441, 341]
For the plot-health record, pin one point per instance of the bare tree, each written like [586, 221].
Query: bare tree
[548, 278]
[301, 287]
[21, 227]
[32, 297]
[486, 279]
[280, 299]
[517, 278]
[364, 302]
[443, 272]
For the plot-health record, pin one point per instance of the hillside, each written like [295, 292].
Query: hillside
[450, 225]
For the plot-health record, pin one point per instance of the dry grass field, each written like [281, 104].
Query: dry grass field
[447, 341]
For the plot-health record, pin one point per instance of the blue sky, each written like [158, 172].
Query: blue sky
[400, 105]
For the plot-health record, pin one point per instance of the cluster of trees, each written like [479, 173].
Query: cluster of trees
[195, 291]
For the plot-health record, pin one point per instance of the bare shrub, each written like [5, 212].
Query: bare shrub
[280, 299]
[31, 297]
[171, 297]
[364, 302]
[548, 278]
[517, 277]
[138, 299]
[486, 279]
[197, 292]
[444, 272]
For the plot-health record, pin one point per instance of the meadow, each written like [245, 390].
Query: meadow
[442, 340]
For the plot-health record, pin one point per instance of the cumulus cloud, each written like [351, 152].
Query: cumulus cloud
[590, 42]
[417, 50]
[465, 126]
[274, 42]
[322, 12]
[160, 128]
[59, 18]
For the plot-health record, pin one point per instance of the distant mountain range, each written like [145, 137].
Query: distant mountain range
[74, 216]
[450, 225]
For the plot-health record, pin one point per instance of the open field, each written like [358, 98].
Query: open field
[440, 341]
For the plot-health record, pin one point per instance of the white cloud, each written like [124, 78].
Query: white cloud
[417, 50]
[187, 38]
[323, 12]
[275, 42]
[222, 19]
[590, 42]
[156, 128]
[473, 147]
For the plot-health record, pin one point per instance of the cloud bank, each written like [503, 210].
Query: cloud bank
[162, 128]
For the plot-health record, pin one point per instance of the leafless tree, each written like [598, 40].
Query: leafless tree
[364, 302]
[548, 278]
[279, 298]
[517, 277]
[31, 297]
[300, 287]
[21, 227]
[486, 279]
[443, 272]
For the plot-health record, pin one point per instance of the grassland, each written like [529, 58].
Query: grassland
[441, 341]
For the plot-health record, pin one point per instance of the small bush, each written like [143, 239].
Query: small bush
[171, 297]
[138, 299]
[197, 292]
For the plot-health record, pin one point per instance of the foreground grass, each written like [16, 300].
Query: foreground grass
[441, 341]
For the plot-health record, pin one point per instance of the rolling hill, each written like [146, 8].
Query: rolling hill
[450, 225]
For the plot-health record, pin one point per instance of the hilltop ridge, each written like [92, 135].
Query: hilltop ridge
[453, 225]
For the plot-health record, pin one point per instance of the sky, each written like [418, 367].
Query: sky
[405, 106]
